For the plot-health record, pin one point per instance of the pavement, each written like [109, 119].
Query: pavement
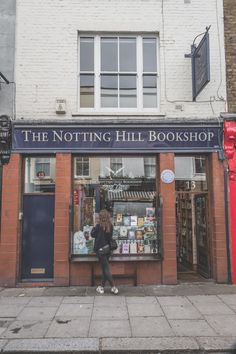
[185, 318]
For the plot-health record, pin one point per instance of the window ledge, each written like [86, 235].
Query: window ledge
[116, 258]
[118, 114]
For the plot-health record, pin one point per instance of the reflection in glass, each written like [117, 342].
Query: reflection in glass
[127, 51]
[109, 90]
[128, 91]
[187, 175]
[86, 90]
[82, 166]
[149, 91]
[86, 54]
[149, 55]
[39, 175]
[109, 54]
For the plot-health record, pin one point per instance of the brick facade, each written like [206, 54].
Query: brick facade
[10, 225]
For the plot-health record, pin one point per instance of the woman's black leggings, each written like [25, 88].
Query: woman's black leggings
[106, 274]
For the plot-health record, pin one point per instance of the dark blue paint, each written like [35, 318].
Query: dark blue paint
[38, 236]
[115, 139]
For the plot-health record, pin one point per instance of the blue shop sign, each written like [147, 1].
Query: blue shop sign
[97, 139]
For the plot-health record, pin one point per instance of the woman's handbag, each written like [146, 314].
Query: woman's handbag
[113, 244]
[104, 251]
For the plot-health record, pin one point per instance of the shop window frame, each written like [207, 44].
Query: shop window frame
[119, 257]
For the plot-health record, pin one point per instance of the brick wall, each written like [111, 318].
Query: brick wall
[47, 60]
[230, 46]
[9, 237]
[62, 222]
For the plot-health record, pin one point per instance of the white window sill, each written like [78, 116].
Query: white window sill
[119, 114]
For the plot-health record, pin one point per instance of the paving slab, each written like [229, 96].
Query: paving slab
[147, 345]
[181, 312]
[141, 300]
[26, 329]
[229, 300]
[150, 327]
[37, 313]
[224, 325]
[14, 300]
[74, 310]
[114, 328]
[173, 301]
[64, 327]
[216, 289]
[21, 292]
[142, 310]
[109, 301]
[192, 328]
[2, 343]
[45, 301]
[217, 343]
[65, 291]
[10, 310]
[78, 300]
[131, 290]
[104, 312]
[55, 345]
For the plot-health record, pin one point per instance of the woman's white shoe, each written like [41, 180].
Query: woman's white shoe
[100, 290]
[114, 290]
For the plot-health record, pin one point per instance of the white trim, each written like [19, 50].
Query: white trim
[81, 176]
[139, 75]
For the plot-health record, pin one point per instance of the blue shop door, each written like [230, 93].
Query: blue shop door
[37, 237]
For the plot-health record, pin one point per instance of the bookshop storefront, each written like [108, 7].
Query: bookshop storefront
[159, 184]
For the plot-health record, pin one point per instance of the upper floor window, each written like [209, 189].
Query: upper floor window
[118, 72]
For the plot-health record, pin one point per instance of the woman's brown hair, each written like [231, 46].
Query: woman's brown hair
[105, 220]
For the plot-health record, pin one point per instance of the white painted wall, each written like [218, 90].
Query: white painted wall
[46, 51]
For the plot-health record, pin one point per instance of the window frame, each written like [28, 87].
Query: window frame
[89, 167]
[97, 72]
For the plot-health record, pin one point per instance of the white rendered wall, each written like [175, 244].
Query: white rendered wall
[46, 51]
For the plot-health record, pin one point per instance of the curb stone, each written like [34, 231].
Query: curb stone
[68, 346]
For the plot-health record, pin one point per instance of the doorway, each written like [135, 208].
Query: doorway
[37, 248]
[192, 220]
[37, 237]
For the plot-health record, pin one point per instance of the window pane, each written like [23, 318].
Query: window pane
[149, 55]
[149, 91]
[186, 176]
[128, 91]
[82, 166]
[86, 54]
[86, 90]
[109, 90]
[109, 54]
[127, 54]
[39, 175]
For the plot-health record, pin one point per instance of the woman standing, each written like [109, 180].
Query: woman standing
[102, 233]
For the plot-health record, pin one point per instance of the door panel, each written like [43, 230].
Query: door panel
[202, 234]
[37, 237]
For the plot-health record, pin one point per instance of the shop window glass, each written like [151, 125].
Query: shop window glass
[124, 187]
[39, 175]
[82, 166]
[190, 173]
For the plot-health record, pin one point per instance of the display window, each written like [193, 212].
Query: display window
[126, 186]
